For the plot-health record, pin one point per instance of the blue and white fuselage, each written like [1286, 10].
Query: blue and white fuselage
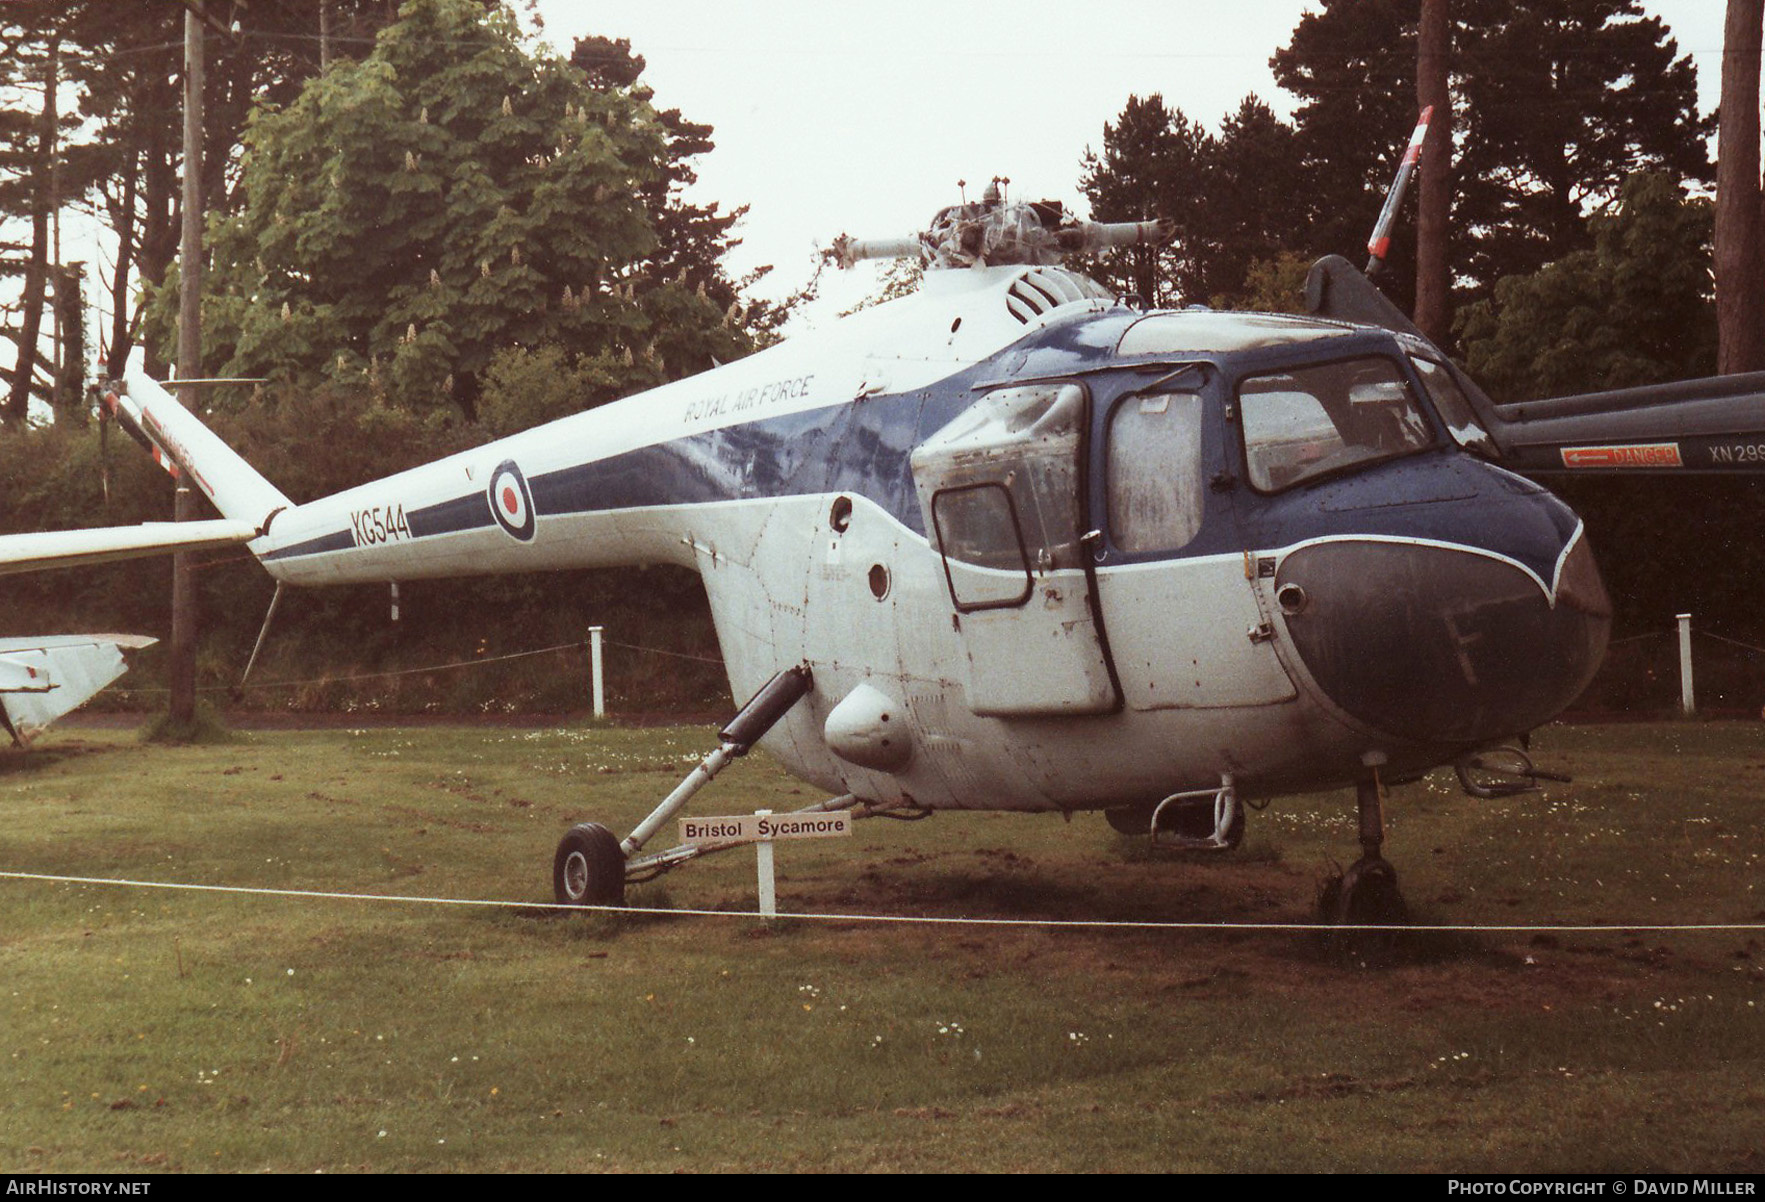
[1079, 555]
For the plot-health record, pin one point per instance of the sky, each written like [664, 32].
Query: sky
[859, 116]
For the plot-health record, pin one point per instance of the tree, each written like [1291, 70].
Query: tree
[1237, 199]
[1352, 65]
[1559, 101]
[1740, 200]
[1634, 308]
[1257, 201]
[1433, 312]
[1153, 164]
[449, 195]
[129, 76]
[689, 237]
[1564, 100]
[32, 35]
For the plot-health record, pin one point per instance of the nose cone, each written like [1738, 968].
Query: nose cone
[1440, 643]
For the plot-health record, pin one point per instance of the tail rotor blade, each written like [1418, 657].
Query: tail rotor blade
[1379, 245]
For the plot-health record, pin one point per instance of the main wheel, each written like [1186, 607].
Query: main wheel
[589, 867]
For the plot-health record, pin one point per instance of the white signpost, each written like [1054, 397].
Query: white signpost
[761, 828]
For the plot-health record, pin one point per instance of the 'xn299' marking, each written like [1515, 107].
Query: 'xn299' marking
[381, 524]
[1739, 452]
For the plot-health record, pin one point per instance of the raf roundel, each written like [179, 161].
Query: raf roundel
[510, 502]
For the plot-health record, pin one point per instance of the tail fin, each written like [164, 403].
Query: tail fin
[149, 412]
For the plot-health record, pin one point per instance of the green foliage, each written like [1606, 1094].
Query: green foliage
[524, 388]
[448, 196]
[1234, 198]
[1274, 285]
[1635, 308]
[1552, 113]
[1151, 166]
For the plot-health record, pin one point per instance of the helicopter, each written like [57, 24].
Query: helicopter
[1015, 543]
[44, 677]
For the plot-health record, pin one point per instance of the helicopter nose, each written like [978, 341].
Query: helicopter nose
[1440, 643]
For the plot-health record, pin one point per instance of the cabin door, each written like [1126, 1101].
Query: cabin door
[1001, 492]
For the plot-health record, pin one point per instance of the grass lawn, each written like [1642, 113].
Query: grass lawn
[147, 1029]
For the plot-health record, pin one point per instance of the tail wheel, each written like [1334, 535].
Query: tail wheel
[589, 867]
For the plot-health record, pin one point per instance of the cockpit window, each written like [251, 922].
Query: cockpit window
[1154, 471]
[1453, 406]
[1311, 421]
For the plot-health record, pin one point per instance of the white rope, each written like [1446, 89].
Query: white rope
[903, 919]
[479, 662]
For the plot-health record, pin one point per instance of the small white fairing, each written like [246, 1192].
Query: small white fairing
[869, 728]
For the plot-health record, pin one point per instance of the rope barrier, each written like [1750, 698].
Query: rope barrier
[703, 659]
[1732, 642]
[464, 663]
[1637, 638]
[921, 920]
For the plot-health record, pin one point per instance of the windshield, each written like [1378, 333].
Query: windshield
[1453, 406]
[1311, 421]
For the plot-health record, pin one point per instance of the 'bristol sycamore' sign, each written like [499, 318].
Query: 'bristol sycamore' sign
[755, 828]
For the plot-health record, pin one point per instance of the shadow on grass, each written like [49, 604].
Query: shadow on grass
[649, 904]
[205, 728]
[25, 760]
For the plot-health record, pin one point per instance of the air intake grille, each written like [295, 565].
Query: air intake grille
[1037, 292]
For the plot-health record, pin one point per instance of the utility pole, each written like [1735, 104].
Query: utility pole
[1740, 200]
[184, 623]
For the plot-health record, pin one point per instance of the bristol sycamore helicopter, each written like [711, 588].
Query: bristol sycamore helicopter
[1012, 543]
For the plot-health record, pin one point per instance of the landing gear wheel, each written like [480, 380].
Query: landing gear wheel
[589, 867]
[1364, 896]
[1368, 895]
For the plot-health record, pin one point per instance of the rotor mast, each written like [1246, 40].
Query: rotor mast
[996, 232]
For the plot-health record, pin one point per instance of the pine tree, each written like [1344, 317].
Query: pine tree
[1153, 165]
[1257, 199]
